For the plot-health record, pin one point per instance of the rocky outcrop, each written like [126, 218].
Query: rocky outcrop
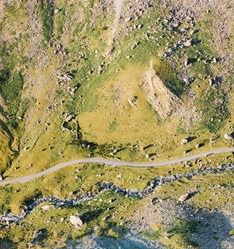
[162, 100]
[186, 197]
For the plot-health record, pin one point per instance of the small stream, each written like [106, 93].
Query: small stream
[9, 218]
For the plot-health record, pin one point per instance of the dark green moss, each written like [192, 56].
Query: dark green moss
[46, 14]
[10, 87]
[214, 105]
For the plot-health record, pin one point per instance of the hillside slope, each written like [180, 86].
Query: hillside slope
[75, 72]
[144, 80]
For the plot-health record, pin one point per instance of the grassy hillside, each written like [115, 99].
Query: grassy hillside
[70, 69]
[74, 82]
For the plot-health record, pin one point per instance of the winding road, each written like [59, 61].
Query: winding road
[112, 162]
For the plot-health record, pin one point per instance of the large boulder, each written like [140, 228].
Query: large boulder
[186, 197]
[76, 221]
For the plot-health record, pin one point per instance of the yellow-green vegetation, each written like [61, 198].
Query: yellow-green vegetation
[105, 86]
[152, 234]
[69, 88]
[215, 106]
[185, 228]
[84, 178]
[5, 151]
[100, 216]
[213, 192]
[11, 87]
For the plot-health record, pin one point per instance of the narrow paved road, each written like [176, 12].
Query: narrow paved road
[112, 162]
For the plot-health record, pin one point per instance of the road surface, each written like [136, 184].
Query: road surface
[112, 162]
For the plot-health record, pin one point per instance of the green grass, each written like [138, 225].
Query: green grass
[113, 126]
[214, 104]
[25, 104]
[185, 228]
[152, 234]
[59, 23]
[46, 15]
[11, 88]
[169, 77]
[108, 204]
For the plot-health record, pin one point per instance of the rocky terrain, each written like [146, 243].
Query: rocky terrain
[133, 81]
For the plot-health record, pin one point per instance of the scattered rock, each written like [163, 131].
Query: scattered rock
[168, 53]
[155, 200]
[119, 176]
[228, 136]
[46, 207]
[40, 236]
[188, 80]
[198, 145]
[152, 156]
[187, 43]
[139, 26]
[69, 117]
[184, 141]
[215, 80]
[132, 101]
[1, 177]
[195, 41]
[100, 70]
[189, 61]
[135, 45]
[187, 196]
[159, 96]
